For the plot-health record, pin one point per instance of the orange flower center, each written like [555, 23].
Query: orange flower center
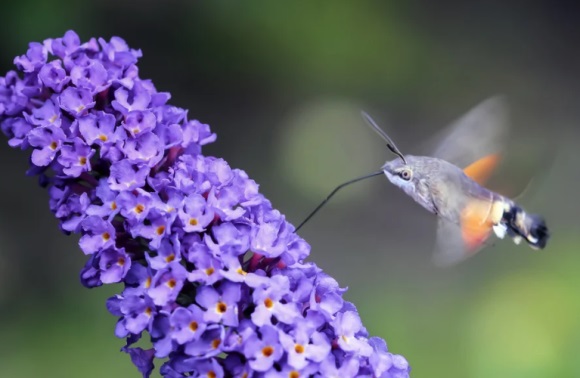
[267, 351]
[221, 307]
[268, 303]
[298, 348]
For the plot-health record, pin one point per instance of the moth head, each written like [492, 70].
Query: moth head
[402, 173]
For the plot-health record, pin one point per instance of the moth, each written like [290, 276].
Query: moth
[450, 184]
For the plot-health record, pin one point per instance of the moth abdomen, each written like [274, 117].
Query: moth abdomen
[530, 227]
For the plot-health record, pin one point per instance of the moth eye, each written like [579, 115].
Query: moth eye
[405, 174]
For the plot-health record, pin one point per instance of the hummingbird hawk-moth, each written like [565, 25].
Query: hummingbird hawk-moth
[450, 184]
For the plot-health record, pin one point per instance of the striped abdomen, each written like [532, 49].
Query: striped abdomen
[521, 225]
[479, 217]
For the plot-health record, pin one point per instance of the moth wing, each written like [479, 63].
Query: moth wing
[449, 246]
[481, 132]
[477, 142]
[457, 241]
[480, 170]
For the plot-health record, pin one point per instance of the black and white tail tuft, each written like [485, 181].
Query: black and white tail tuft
[530, 227]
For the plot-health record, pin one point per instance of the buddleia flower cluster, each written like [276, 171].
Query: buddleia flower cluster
[213, 276]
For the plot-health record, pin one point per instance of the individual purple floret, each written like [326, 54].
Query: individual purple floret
[211, 271]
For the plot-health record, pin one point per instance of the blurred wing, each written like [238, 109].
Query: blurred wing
[481, 132]
[450, 248]
[481, 170]
[456, 242]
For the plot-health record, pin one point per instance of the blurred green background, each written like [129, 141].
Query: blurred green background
[282, 84]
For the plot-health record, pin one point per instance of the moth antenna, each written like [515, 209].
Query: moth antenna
[334, 192]
[390, 144]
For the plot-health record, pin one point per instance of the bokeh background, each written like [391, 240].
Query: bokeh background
[282, 84]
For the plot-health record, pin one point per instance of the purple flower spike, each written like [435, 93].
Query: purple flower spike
[212, 274]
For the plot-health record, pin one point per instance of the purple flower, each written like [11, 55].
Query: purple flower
[92, 77]
[207, 267]
[106, 207]
[139, 122]
[167, 284]
[348, 367]
[76, 101]
[134, 205]
[142, 359]
[220, 306]
[146, 149]
[54, 76]
[264, 351]
[34, 59]
[46, 115]
[270, 235]
[187, 324]
[347, 325]
[17, 129]
[231, 239]
[306, 345]
[99, 234]
[114, 265]
[126, 176]
[136, 311]
[268, 301]
[76, 158]
[211, 272]
[63, 47]
[49, 141]
[128, 100]
[208, 345]
[99, 128]
[194, 215]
